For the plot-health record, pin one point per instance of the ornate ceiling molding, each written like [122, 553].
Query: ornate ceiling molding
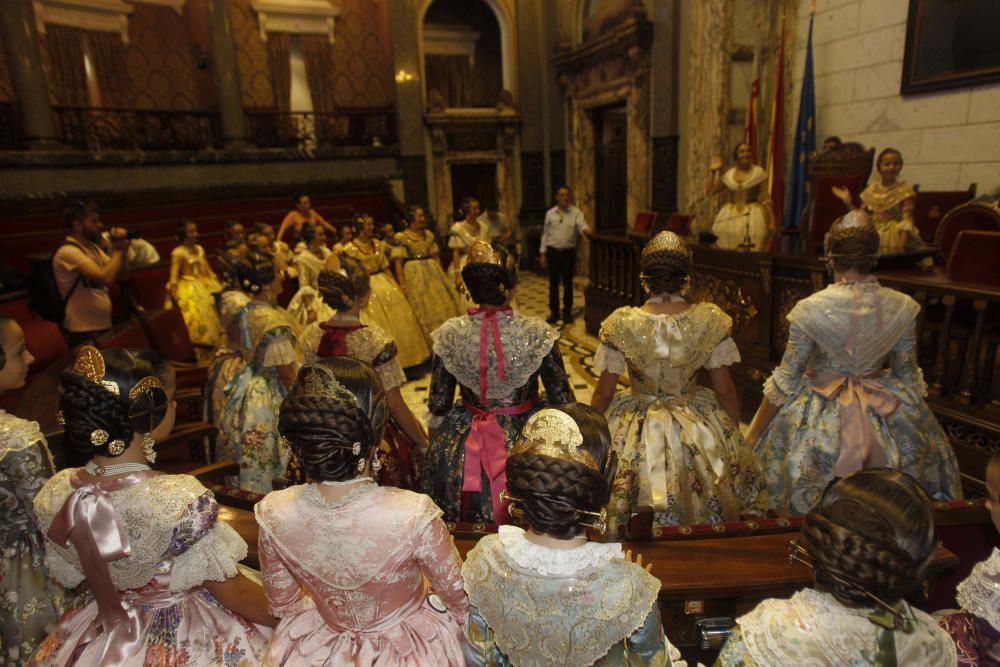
[300, 17]
[100, 15]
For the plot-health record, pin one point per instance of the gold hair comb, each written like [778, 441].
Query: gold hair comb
[554, 433]
[90, 364]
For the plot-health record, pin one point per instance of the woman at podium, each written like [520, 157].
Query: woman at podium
[744, 222]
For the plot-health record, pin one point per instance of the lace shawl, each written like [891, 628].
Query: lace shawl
[171, 521]
[550, 620]
[877, 199]
[526, 340]
[813, 628]
[266, 334]
[17, 434]
[881, 317]
[360, 534]
[979, 593]
[757, 176]
[370, 343]
[555, 562]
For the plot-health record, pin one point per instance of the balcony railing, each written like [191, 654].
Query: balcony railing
[97, 129]
[345, 127]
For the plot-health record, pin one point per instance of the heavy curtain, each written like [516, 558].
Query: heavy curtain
[107, 52]
[278, 50]
[452, 77]
[318, 55]
[66, 49]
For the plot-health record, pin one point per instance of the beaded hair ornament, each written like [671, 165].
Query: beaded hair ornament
[555, 434]
[669, 245]
[318, 381]
[481, 252]
[90, 364]
[854, 225]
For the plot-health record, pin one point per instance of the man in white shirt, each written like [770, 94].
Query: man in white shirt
[83, 272]
[501, 231]
[564, 224]
[141, 253]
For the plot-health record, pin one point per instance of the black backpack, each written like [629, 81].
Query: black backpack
[44, 298]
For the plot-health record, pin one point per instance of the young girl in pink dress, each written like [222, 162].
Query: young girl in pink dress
[348, 565]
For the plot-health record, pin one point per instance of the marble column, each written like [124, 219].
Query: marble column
[20, 45]
[226, 75]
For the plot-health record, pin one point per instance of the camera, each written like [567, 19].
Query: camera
[130, 234]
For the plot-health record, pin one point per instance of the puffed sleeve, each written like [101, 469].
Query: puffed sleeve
[735, 653]
[609, 359]
[480, 648]
[442, 565]
[903, 362]
[386, 364]
[725, 354]
[558, 389]
[29, 468]
[279, 347]
[60, 569]
[282, 590]
[788, 378]
[204, 548]
[442, 392]
[399, 249]
[454, 240]
[309, 342]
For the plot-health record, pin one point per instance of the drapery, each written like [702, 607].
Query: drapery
[278, 50]
[318, 55]
[452, 77]
[66, 49]
[107, 52]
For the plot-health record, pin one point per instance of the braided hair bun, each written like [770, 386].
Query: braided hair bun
[490, 282]
[255, 272]
[88, 406]
[666, 264]
[342, 289]
[852, 243]
[871, 532]
[333, 417]
[554, 494]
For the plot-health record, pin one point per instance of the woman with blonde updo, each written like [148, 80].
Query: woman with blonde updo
[832, 406]
[534, 587]
[679, 444]
[869, 541]
[161, 570]
[349, 565]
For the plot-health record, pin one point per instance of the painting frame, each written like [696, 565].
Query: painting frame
[919, 45]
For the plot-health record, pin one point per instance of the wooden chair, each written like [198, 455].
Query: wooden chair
[973, 216]
[847, 166]
[148, 286]
[931, 206]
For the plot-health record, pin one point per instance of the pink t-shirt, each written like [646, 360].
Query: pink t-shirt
[89, 307]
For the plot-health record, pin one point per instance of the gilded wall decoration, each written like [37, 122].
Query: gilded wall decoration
[726, 294]
[362, 58]
[251, 56]
[160, 65]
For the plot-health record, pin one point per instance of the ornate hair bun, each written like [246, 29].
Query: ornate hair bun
[857, 227]
[554, 433]
[667, 243]
[319, 381]
[481, 252]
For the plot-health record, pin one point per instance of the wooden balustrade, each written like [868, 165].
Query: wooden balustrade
[344, 127]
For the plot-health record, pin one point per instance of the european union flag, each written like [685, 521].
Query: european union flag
[805, 140]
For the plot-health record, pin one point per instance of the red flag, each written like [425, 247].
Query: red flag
[776, 143]
[753, 119]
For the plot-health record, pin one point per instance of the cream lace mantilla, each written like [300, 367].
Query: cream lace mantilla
[756, 177]
[555, 562]
[826, 318]
[556, 620]
[526, 340]
[979, 594]
[17, 434]
[812, 628]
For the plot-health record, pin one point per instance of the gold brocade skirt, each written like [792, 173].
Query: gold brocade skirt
[431, 293]
[389, 309]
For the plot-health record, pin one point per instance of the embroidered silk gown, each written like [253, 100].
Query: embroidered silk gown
[530, 353]
[176, 543]
[195, 288]
[678, 451]
[535, 606]
[891, 209]
[388, 308]
[248, 433]
[350, 579]
[460, 237]
[227, 361]
[29, 599]
[744, 213]
[399, 454]
[428, 289]
[841, 408]
[813, 628]
[307, 305]
[976, 629]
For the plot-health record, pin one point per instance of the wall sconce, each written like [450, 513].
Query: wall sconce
[402, 76]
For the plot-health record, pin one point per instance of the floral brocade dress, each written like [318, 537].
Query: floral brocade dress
[679, 453]
[387, 307]
[29, 600]
[175, 544]
[530, 353]
[346, 336]
[891, 209]
[248, 421]
[194, 292]
[227, 360]
[350, 579]
[429, 290]
[841, 409]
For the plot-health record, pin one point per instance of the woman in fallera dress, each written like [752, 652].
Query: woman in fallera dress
[461, 236]
[160, 568]
[30, 600]
[387, 308]
[869, 541]
[227, 360]
[541, 593]
[747, 214]
[679, 444]
[265, 339]
[349, 566]
[193, 286]
[496, 356]
[418, 269]
[307, 306]
[346, 290]
[833, 406]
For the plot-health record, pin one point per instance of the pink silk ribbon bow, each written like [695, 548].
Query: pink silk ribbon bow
[91, 523]
[859, 444]
[486, 449]
[489, 325]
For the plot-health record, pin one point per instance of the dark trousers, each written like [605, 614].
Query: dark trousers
[561, 264]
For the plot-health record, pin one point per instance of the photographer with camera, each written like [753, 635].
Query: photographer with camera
[83, 271]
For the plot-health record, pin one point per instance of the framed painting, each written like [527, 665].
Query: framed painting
[950, 44]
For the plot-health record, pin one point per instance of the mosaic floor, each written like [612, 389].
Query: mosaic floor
[532, 297]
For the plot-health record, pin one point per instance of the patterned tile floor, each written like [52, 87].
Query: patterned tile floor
[531, 297]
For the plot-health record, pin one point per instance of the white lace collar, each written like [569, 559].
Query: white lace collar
[979, 594]
[555, 562]
[17, 434]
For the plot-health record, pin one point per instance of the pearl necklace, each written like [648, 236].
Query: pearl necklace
[114, 468]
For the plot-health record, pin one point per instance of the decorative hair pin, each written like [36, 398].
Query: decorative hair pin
[897, 616]
[90, 364]
[318, 380]
[554, 433]
[600, 525]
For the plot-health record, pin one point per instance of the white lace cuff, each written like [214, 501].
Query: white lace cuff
[608, 359]
[555, 562]
[725, 354]
[212, 558]
[773, 393]
[280, 353]
[979, 594]
[61, 569]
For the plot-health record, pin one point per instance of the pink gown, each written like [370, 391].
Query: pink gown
[349, 579]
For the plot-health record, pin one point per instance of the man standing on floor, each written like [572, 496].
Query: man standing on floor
[564, 224]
